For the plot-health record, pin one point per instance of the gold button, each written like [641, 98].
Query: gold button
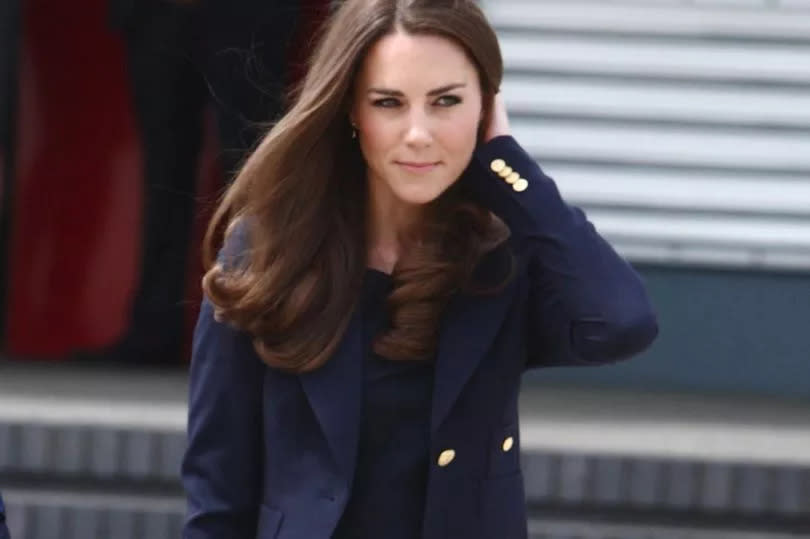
[505, 171]
[508, 443]
[497, 165]
[512, 178]
[520, 185]
[446, 457]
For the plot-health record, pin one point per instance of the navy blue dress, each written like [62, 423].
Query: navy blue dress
[388, 490]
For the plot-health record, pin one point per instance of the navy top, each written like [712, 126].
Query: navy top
[388, 491]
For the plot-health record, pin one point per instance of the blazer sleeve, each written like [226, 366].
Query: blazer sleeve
[4, 534]
[222, 464]
[586, 304]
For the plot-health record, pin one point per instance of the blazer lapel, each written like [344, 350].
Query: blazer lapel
[334, 392]
[470, 325]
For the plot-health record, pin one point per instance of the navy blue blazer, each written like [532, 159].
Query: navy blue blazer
[3, 528]
[271, 455]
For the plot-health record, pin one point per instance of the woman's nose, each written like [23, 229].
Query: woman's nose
[418, 131]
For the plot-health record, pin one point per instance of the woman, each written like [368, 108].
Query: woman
[393, 262]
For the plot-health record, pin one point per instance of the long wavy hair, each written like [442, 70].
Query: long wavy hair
[301, 199]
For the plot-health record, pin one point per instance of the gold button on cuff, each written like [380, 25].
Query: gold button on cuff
[512, 178]
[520, 185]
[497, 165]
[446, 457]
[508, 443]
[505, 171]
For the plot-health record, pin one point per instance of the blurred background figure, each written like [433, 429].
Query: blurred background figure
[245, 53]
[177, 51]
[9, 61]
[168, 94]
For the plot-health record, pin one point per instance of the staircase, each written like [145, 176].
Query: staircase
[94, 453]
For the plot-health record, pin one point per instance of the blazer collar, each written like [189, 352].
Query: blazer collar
[470, 325]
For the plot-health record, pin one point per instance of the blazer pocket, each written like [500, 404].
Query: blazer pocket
[503, 502]
[269, 522]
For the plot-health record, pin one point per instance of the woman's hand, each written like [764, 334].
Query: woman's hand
[478, 180]
[499, 119]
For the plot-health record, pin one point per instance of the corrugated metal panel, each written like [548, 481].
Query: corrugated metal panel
[683, 128]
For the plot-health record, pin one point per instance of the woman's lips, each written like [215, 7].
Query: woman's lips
[417, 167]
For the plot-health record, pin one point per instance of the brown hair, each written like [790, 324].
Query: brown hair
[301, 198]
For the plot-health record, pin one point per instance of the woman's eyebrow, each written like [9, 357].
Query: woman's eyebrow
[436, 91]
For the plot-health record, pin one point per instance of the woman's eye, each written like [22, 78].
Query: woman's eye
[443, 101]
[388, 102]
[448, 100]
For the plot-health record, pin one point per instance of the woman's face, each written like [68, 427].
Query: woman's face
[417, 106]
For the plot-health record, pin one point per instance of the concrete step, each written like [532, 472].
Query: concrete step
[89, 450]
[68, 514]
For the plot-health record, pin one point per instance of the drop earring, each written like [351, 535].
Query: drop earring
[354, 131]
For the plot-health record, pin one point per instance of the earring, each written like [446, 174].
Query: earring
[354, 131]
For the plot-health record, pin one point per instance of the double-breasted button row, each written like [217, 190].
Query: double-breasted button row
[508, 175]
[448, 455]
